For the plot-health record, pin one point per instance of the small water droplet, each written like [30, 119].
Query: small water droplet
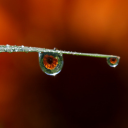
[8, 48]
[7, 45]
[16, 50]
[113, 61]
[22, 48]
[5, 50]
[30, 49]
[55, 49]
[50, 63]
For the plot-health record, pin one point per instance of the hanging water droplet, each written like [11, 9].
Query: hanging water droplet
[113, 61]
[51, 63]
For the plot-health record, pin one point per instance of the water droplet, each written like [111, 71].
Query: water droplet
[51, 63]
[16, 49]
[55, 49]
[7, 45]
[113, 61]
[30, 49]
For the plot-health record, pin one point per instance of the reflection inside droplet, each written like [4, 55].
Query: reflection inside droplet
[113, 61]
[50, 63]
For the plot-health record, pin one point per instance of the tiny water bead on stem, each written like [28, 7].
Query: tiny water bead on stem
[51, 60]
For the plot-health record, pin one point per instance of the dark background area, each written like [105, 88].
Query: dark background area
[87, 93]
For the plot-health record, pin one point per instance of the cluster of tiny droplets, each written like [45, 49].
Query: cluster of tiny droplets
[10, 49]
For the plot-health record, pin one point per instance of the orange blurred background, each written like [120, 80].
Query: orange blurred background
[87, 92]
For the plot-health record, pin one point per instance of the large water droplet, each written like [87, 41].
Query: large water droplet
[51, 63]
[113, 61]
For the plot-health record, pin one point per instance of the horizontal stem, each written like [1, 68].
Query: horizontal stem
[14, 48]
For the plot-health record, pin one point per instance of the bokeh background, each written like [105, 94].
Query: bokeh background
[87, 93]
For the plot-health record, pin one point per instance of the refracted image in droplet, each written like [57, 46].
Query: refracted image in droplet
[113, 61]
[50, 63]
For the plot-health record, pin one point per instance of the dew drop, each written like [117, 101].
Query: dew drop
[30, 49]
[50, 63]
[55, 49]
[113, 61]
